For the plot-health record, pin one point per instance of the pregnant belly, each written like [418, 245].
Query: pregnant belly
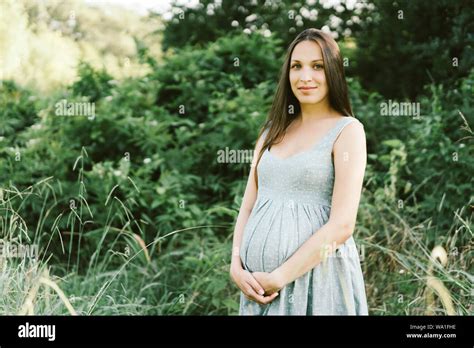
[271, 238]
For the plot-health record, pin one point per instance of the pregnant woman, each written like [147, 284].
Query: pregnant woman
[293, 250]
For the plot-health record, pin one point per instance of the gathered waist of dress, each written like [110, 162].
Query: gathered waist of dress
[293, 197]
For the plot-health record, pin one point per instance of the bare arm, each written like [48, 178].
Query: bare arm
[251, 288]
[248, 202]
[350, 158]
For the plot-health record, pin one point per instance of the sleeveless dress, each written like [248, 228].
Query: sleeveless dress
[293, 202]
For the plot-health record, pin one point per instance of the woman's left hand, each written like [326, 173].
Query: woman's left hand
[269, 281]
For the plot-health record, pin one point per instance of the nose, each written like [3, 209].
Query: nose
[305, 76]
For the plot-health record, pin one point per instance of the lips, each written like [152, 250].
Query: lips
[307, 90]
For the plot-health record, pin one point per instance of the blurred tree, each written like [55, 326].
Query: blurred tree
[33, 33]
[92, 83]
[189, 79]
[404, 45]
[18, 110]
[212, 19]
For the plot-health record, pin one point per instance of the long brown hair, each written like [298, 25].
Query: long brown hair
[286, 107]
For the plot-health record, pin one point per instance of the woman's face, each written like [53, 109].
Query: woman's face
[307, 70]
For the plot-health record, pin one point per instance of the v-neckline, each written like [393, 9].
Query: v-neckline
[311, 149]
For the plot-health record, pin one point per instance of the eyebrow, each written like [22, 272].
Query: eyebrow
[315, 60]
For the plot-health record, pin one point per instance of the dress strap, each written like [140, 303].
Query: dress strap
[264, 134]
[340, 125]
[265, 131]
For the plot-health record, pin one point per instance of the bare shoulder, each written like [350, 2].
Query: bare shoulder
[354, 127]
[352, 134]
[356, 121]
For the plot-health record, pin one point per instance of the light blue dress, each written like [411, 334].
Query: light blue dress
[294, 202]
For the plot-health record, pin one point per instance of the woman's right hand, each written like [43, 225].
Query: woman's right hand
[249, 285]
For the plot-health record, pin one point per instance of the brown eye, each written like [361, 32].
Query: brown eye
[319, 66]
